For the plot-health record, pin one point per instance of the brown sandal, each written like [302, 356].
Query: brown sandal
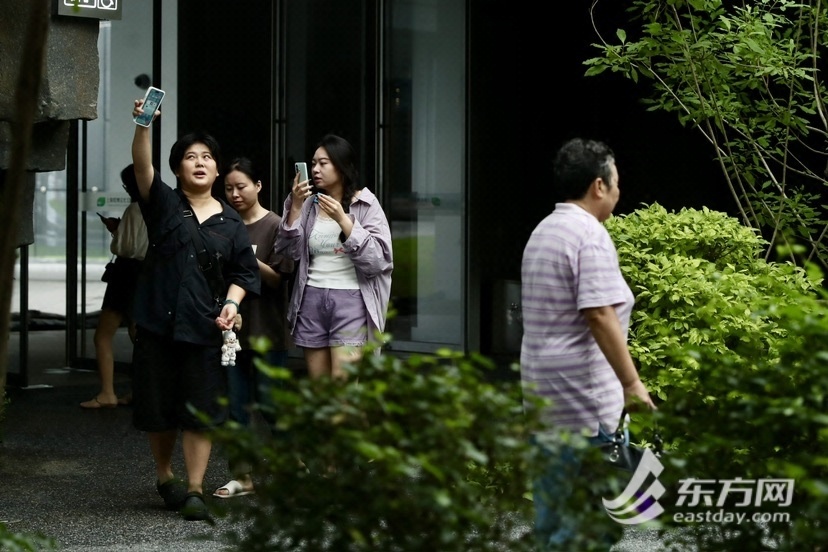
[94, 403]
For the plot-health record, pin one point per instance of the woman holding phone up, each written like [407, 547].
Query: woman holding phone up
[178, 377]
[342, 241]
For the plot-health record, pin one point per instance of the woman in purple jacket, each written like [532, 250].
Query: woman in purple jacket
[339, 234]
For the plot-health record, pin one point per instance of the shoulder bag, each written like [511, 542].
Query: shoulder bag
[130, 238]
[209, 265]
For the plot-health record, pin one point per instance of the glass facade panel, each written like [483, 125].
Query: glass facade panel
[328, 47]
[423, 153]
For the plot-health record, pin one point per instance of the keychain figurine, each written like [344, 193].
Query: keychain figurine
[228, 350]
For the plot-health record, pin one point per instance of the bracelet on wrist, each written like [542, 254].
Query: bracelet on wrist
[231, 302]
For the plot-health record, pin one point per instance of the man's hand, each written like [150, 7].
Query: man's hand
[636, 397]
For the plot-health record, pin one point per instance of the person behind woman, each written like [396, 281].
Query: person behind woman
[263, 317]
[129, 245]
[342, 242]
[177, 354]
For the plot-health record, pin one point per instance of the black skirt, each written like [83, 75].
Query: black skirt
[121, 277]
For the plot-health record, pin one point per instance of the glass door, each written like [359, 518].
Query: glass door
[127, 65]
[424, 170]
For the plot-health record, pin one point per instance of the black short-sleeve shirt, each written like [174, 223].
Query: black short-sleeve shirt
[173, 297]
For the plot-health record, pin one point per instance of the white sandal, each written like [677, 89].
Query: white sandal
[233, 489]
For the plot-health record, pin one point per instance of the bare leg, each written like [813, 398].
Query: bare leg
[341, 355]
[162, 445]
[319, 362]
[108, 323]
[197, 447]
[327, 362]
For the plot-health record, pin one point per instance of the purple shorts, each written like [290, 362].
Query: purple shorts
[331, 318]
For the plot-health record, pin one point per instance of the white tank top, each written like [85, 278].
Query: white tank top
[330, 267]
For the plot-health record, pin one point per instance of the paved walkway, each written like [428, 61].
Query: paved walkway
[86, 478]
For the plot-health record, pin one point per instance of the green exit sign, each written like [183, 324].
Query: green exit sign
[94, 9]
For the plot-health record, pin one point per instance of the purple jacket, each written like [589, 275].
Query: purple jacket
[369, 247]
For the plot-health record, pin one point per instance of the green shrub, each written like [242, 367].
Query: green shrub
[698, 278]
[16, 542]
[423, 453]
[764, 419]
[736, 348]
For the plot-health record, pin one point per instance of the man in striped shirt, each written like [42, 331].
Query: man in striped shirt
[576, 311]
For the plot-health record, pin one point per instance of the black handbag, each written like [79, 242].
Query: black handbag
[109, 272]
[619, 453]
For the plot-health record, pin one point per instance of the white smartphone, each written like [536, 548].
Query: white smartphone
[302, 169]
[152, 101]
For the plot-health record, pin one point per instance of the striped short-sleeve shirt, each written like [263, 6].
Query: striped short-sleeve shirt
[570, 263]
